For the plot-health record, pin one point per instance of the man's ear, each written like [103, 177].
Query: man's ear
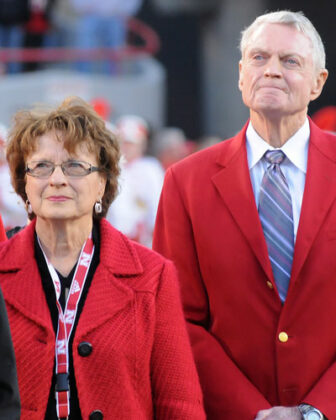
[240, 81]
[318, 84]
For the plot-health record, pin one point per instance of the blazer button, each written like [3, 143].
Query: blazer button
[269, 284]
[283, 337]
[96, 415]
[84, 349]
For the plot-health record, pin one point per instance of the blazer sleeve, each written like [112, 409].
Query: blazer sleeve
[9, 390]
[227, 392]
[175, 383]
[322, 395]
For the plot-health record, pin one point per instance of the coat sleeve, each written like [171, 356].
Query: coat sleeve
[9, 390]
[3, 236]
[227, 392]
[175, 383]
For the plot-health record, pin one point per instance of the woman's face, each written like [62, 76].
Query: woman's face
[58, 196]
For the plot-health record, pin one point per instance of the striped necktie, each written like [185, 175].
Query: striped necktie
[276, 216]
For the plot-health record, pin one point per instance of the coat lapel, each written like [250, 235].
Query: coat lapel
[22, 284]
[319, 193]
[110, 292]
[234, 186]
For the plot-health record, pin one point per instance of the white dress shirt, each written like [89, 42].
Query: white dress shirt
[294, 166]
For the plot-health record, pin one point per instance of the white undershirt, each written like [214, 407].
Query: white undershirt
[294, 166]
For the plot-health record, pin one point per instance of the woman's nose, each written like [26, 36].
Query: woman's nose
[57, 177]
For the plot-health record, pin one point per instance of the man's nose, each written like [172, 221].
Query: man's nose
[273, 67]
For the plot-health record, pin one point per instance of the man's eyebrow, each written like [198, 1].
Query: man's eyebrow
[283, 53]
[256, 50]
[292, 53]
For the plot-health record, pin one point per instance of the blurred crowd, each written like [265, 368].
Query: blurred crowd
[64, 23]
[146, 152]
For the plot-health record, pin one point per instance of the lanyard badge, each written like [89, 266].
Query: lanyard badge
[66, 322]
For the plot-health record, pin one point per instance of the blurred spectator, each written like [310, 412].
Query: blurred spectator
[207, 141]
[37, 28]
[102, 23]
[62, 24]
[13, 14]
[134, 210]
[12, 208]
[325, 118]
[102, 107]
[171, 145]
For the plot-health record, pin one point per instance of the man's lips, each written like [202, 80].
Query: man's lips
[271, 87]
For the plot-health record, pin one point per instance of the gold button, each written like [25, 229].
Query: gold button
[283, 337]
[269, 284]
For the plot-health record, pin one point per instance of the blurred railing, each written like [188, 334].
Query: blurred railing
[150, 46]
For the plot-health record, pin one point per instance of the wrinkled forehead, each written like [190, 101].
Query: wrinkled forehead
[279, 35]
[59, 141]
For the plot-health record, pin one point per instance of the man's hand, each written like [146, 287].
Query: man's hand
[280, 413]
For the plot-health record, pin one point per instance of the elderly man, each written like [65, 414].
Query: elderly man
[251, 226]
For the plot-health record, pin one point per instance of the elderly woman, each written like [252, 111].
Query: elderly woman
[96, 320]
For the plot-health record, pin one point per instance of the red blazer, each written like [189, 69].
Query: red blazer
[208, 224]
[141, 361]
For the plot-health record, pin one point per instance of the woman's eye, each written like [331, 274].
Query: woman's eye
[74, 164]
[42, 165]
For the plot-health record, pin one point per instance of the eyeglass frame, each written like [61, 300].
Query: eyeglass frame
[90, 170]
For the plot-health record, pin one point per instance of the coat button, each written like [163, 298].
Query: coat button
[84, 349]
[283, 337]
[96, 415]
[269, 284]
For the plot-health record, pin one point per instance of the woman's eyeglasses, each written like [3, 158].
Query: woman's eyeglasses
[72, 168]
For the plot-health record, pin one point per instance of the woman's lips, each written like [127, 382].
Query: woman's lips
[58, 198]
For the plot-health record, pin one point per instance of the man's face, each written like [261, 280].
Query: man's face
[277, 76]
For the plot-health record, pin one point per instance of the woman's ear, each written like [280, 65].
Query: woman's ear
[101, 186]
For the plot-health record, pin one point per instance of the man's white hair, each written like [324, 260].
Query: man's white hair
[295, 19]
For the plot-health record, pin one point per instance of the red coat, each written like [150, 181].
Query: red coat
[208, 224]
[3, 236]
[141, 359]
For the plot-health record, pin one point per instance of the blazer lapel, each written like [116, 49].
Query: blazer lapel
[234, 186]
[319, 194]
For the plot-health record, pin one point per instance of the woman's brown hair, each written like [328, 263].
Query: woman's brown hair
[74, 123]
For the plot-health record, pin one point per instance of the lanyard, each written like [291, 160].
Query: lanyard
[66, 322]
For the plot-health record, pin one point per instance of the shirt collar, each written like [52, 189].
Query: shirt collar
[295, 148]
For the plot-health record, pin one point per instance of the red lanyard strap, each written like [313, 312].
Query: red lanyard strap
[66, 321]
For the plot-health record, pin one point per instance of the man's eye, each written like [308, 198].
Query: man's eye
[258, 57]
[292, 61]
